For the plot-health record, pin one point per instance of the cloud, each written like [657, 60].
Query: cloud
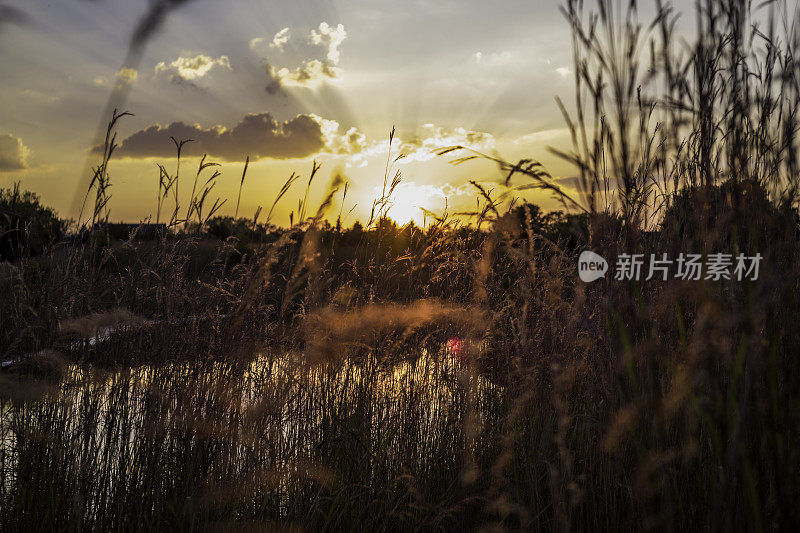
[497, 59]
[432, 138]
[544, 136]
[38, 96]
[354, 145]
[310, 74]
[422, 193]
[126, 77]
[349, 143]
[262, 137]
[258, 136]
[191, 68]
[13, 154]
[278, 41]
[331, 38]
[274, 85]
[563, 71]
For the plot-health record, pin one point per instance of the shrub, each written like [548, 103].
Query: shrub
[26, 226]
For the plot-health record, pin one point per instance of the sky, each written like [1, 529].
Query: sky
[285, 84]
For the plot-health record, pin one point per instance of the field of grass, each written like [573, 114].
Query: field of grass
[228, 375]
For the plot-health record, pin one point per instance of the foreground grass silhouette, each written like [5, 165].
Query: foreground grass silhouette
[448, 378]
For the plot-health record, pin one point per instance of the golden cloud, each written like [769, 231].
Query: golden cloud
[192, 68]
[13, 154]
[311, 74]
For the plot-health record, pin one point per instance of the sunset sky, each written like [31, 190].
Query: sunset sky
[285, 83]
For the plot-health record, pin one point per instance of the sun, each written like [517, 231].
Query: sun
[408, 200]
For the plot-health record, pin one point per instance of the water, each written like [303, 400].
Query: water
[262, 422]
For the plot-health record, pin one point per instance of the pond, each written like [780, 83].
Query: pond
[270, 431]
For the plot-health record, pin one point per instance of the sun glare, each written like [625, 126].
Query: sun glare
[408, 200]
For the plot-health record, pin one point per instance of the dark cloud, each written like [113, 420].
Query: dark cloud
[274, 85]
[258, 136]
[177, 79]
[13, 154]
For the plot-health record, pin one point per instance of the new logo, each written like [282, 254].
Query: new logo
[591, 266]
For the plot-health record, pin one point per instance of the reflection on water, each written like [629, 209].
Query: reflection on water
[266, 427]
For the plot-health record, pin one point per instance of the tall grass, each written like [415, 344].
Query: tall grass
[453, 377]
